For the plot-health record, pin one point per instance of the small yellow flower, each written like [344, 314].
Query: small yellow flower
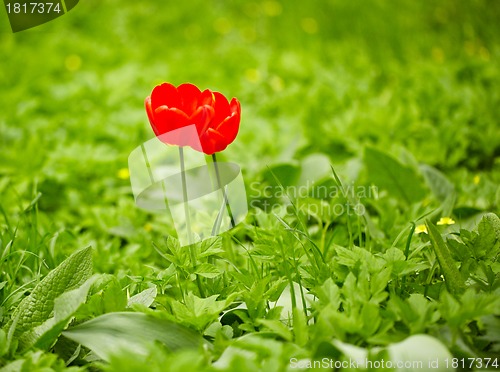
[477, 179]
[123, 174]
[421, 229]
[446, 221]
[148, 227]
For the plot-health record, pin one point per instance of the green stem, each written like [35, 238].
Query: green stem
[407, 253]
[192, 247]
[185, 196]
[224, 195]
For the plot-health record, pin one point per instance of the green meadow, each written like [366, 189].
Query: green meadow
[369, 145]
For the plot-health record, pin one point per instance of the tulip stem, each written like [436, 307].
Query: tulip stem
[192, 247]
[184, 194]
[223, 189]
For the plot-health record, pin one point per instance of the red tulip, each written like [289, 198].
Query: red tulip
[216, 120]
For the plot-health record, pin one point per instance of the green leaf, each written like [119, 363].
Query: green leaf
[453, 280]
[440, 186]
[328, 293]
[199, 312]
[417, 312]
[386, 172]
[210, 247]
[35, 309]
[106, 296]
[113, 298]
[208, 270]
[300, 329]
[489, 235]
[313, 168]
[65, 306]
[277, 327]
[114, 333]
[145, 298]
[286, 173]
[4, 346]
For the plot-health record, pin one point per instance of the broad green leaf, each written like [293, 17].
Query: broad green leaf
[277, 327]
[386, 172]
[208, 270]
[458, 311]
[286, 173]
[121, 332]
[113, 298]
[106, 296]
[370, 318]
[417, 312]
[65, 306]
[328, 293]
[440, 186]
[488, 240]
[210, 247]
[35, 309]
[313, 168]
[453, 280]
[145, 298]
[199, 312]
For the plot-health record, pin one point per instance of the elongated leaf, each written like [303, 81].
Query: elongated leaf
[37, 307]
[65, 306]
[131, 332]
[440, 186]
[452, 277]
[387, 172]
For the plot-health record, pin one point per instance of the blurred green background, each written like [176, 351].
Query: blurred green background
[418, 79]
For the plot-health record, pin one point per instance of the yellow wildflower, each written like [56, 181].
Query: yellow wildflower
[446, 221]
[123, 174]
[421, 229]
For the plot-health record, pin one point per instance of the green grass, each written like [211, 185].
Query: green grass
[395, 108]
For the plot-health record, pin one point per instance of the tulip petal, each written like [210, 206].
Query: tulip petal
[213, 141]
[168, 119]
[235, 106]
[165, 95]
[222, 109]
[229, 128]
[207, 98]
[149, 110]
[202, 117]
[189, 96]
